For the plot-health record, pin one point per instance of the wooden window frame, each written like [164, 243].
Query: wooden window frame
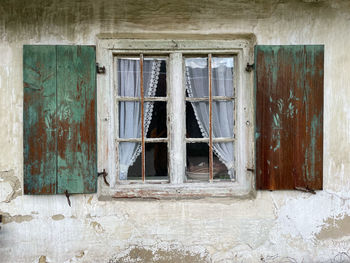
[176, 48]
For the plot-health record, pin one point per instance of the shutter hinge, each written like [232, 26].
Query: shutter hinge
[249, 67]
[68, 195]
[104, 174]
[100, 70]
[305, 189]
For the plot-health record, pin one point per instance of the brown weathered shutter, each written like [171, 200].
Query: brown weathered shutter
[289, 116]
[59, 119]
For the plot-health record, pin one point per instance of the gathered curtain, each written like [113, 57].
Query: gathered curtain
[197, 86]
[130, 111]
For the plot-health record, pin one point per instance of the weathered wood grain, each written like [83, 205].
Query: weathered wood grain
[289, 116]
[39, 119]
[76, 119]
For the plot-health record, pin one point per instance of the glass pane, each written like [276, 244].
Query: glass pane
[156, 116]
[222, 76]
[197, 119]
[220, 170]
[128, 72]
[222, 119]
[130, 161]
[129, 119]
[197, 77]
[197, 161]
[156, 161]
[154, 74]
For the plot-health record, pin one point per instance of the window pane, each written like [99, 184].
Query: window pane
[197, 82]
[220, 170]
[154, 74]
[197, 161]
[128, 77]
[222, 119]
[197, 119]
[154, 77]
[129, 119]
[129, 160]
[222, 76]
[156, 161]
[156, 116]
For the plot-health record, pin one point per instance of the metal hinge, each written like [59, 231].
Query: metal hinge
[100, 70]
[305, 189]
[104, 174]
[68, 195]
[249, 67]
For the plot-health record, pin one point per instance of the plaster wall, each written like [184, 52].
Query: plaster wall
[280, 226]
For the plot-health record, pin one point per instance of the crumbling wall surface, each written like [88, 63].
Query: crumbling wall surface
[280, 226]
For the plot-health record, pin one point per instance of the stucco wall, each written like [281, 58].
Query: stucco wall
[283, 226]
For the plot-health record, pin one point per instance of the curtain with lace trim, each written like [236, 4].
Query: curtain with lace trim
[130, 111]
[197, 86]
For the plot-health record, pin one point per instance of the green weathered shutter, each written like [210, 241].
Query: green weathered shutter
[59, 119]
[39, 119]
[289, 116]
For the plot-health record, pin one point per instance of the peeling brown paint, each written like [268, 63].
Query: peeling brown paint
[90, 199]
[335, 228]
[57, 217]
[42, 259]
[141, 254]
[7, 218]
[97, 227]
[9, 177]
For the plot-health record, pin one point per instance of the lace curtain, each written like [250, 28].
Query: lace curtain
[222, 117]
[130, 111]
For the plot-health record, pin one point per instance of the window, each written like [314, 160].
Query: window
[210, 118]
[141, 98]
[175, 118]
[195, 102]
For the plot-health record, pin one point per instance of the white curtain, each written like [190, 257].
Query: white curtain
[130, 111]
[197, 85]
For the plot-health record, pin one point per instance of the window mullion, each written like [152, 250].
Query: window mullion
[142, 122]
[210, 121]
[177, 119]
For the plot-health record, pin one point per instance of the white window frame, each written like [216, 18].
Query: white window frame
[176, 48]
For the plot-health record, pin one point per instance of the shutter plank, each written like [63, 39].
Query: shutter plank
[76, 100]
[39, 121]
[289, 116]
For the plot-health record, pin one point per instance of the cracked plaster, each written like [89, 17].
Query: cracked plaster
[281, 226]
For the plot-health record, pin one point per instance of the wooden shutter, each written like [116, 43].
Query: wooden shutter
[59, 119]
[289, 116]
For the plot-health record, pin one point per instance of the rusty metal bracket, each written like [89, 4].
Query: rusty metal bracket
[104, 174]
[305, 189]
[100, 70]
[68, 195]
[249, 67]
